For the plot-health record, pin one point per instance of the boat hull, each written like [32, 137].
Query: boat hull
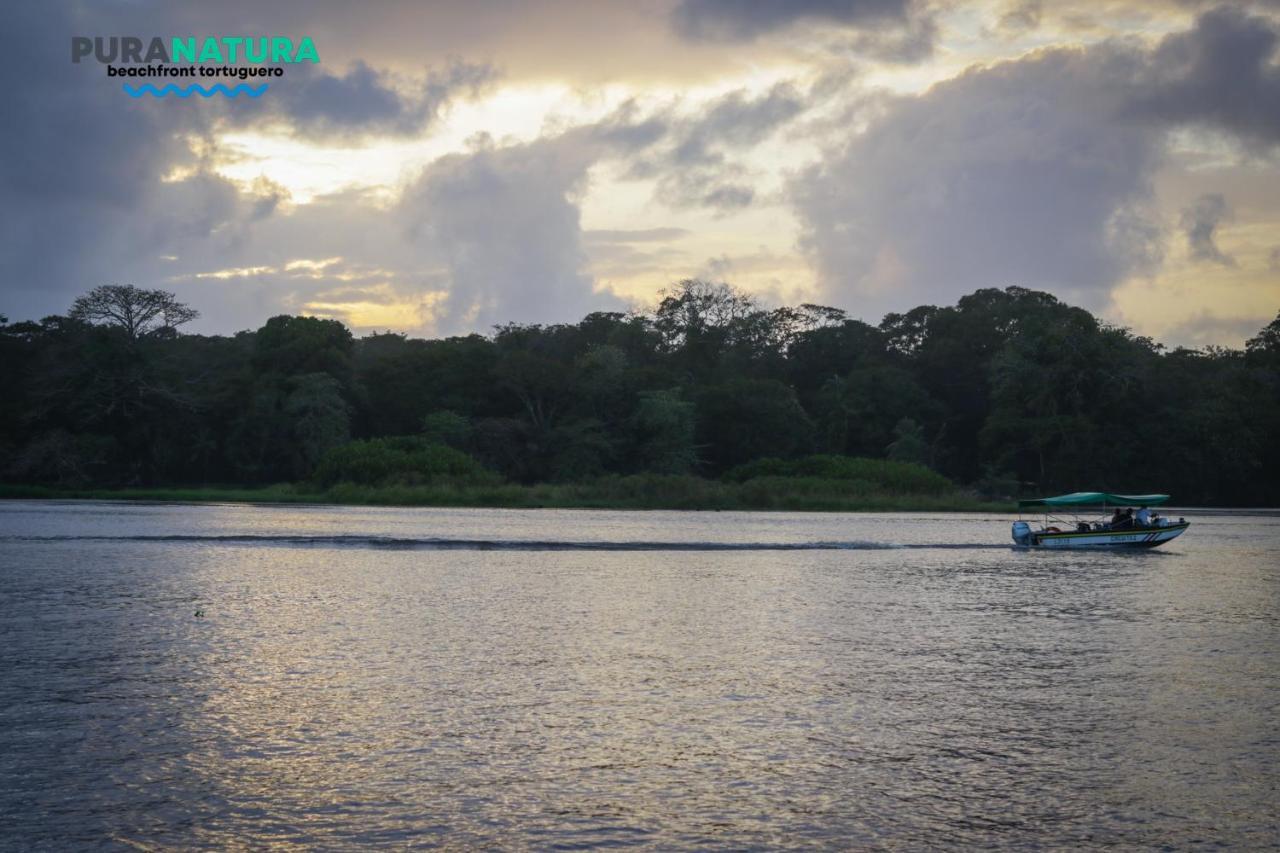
[1146, 537]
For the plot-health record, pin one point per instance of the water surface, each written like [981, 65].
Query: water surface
[571, 679]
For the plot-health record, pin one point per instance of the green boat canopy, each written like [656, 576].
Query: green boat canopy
[1091, 498]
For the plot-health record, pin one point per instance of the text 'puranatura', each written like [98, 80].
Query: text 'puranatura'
[224, 49]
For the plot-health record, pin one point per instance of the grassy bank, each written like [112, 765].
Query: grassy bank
[635, 492]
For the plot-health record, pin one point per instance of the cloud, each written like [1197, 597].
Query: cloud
[638, 235]
[1037, 172]
[1203, 328]
[1199, 221]
[78, 162]
[723, 197]
[736, 20]
[366, 101]
[135, 200]
[698, 161]
[625, 131]
[507, 223]
[334, 256]
[736, 120]
[99, 187]
[912, 42]
[267, 197]
[886, 30]
[1021, 17]
[1014, 174]
[766, 275]
[1222, 73]
[619, 263]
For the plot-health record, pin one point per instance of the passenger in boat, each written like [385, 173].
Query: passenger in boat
[1117, 518]
[1144, 517]
[1126, 520]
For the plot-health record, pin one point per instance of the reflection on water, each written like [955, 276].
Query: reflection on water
[337, 693]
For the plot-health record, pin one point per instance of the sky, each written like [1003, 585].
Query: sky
[447, 167]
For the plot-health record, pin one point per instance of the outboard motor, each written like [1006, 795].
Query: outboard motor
[1021, 533]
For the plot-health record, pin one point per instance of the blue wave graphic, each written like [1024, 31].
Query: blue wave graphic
[139, 91]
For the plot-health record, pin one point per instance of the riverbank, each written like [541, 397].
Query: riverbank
[636, 492]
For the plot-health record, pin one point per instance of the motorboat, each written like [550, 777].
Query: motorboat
[1083, 520]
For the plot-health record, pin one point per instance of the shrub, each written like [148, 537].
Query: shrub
[400, 460]
[449, 428]
[858, 474]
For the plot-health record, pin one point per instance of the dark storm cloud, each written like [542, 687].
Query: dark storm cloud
[366, 101]
[87, 175]
[1200, 221]
[63, 139]
[91, 195]
[884, 30]
[747, 19]
[1222, 74]
[78, 161]
[1035, 172]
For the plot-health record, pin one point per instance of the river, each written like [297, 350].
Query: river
[327, 677]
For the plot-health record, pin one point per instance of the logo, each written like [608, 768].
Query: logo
[225, 57]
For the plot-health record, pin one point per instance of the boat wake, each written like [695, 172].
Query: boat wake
[394, 543]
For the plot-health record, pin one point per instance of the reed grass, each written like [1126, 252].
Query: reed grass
[640, 491]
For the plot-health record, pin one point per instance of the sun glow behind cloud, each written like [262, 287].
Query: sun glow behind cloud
[308, 168]
[337, 206]
[382, 308]
[714, 244]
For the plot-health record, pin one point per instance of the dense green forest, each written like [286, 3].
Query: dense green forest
[1008, 392]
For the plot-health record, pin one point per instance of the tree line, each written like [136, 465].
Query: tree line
[1008, 391]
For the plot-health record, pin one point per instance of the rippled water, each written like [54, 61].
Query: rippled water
[573, 679]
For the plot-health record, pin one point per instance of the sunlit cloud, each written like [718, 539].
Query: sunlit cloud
[235, 272]
[468, 165]
[378, 307]
[308, 168]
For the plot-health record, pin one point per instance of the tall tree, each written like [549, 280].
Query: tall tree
[137, 311]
